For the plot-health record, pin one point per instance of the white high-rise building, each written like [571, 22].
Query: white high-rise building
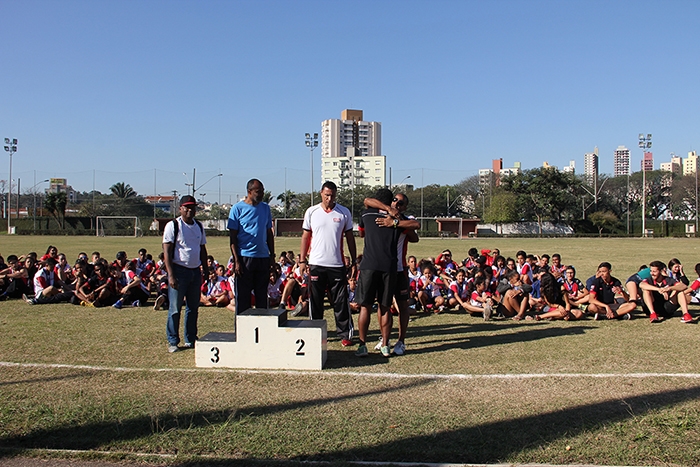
[351, 151]
[621, 161]
[570, 169]
[590, 166]
[691, 163]
[674, 166]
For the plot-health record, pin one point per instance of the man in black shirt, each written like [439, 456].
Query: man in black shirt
[602, 292]
[377, 271]
[663, 295]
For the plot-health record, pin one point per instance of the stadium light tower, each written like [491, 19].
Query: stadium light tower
[11, 147]
[312, 143]
[644, 143]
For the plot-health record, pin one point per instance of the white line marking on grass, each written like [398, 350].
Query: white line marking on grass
[457, 376]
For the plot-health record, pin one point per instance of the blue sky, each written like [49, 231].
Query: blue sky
[142, 91]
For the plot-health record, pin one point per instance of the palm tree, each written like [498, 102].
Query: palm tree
[122, 190]
[288, 198]
[55, 203]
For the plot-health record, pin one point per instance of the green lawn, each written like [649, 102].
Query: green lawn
[587, 392]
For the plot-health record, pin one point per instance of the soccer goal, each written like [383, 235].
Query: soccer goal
[118, 226]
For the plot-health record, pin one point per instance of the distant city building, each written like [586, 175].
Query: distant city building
[60, 185]
[486, 177]
[165, 203]
[351, 151]
[690, 164]
[621, 161]
[571, 168]
[590, 166]
[674, 166]
[494, 174]
[647, 162]
[515, 170]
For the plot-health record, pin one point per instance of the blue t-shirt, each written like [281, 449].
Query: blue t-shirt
[252, 224]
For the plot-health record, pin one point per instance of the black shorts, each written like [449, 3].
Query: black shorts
[375, 286]
[401, 290]
[662, 307]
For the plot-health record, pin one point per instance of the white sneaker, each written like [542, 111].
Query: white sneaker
[399, 348]
[380, 344]
[298, 309]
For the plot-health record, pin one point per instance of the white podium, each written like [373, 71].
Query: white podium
[265, 339]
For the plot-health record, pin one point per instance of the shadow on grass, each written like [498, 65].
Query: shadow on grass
[441, 337]
[497, 441]
[43, 380]
[493, 442]
[347, 359]
[99, 435]
[527, 333]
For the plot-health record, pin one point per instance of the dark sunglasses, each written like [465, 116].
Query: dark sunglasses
[399, 202]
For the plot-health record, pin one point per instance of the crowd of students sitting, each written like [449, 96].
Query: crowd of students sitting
[125, 282]
[543, 287]
[94, 283]
[485, 284]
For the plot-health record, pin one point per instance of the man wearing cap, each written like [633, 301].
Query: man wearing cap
[252, 245]
[184, 254]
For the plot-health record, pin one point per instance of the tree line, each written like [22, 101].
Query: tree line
[535, 195]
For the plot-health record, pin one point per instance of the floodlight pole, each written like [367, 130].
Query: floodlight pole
[312, 143]
[644, 143]
[11, 147]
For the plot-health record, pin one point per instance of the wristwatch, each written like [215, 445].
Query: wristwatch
[396, 223]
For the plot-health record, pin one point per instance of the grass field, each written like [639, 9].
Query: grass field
[100, 380]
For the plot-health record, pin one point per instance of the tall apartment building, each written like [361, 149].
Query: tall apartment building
[570, 169]
[492, 176]
[351, 151]
[621, 161]
[690, 164]
[590, 166]
[648, 162]
[674, 166]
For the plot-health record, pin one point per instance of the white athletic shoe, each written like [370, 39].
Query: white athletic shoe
[380, 344]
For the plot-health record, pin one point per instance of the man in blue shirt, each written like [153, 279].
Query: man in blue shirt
[252, 245]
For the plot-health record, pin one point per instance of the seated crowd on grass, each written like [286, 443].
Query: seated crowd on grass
[484, 284]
